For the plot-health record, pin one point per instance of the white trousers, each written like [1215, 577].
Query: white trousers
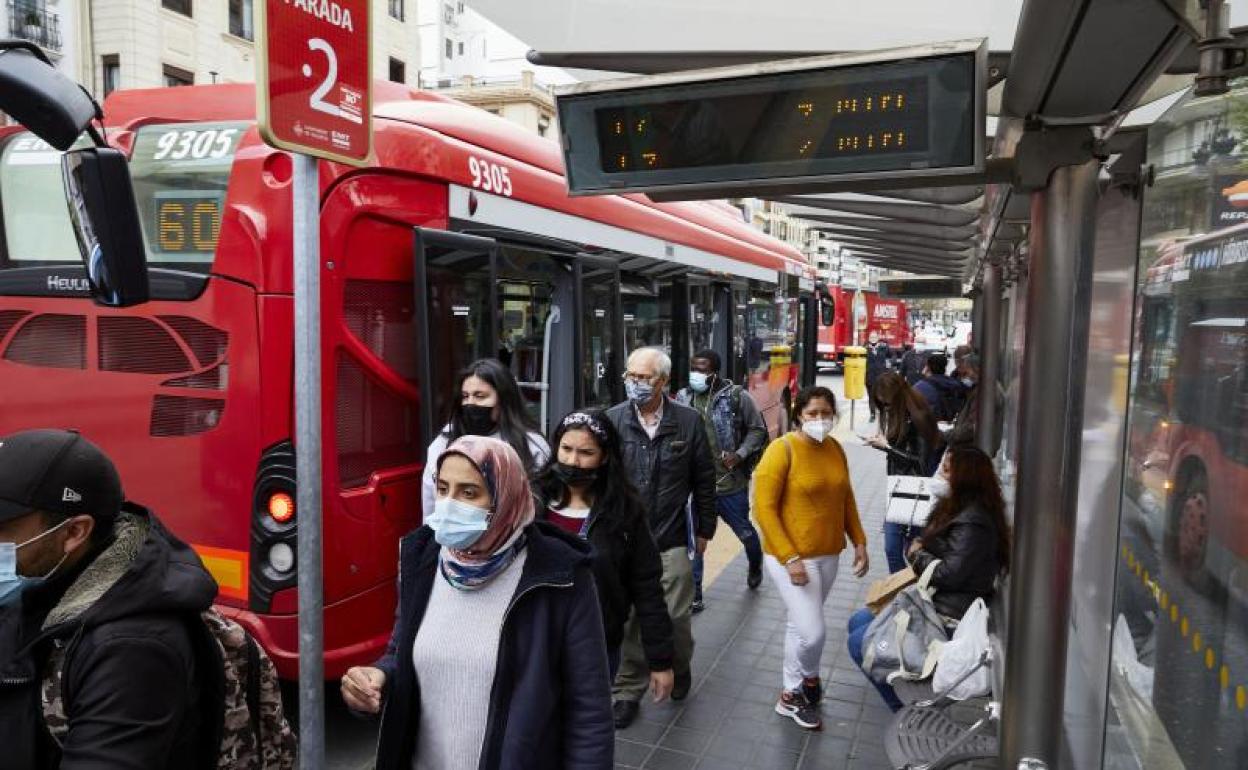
[805, 632]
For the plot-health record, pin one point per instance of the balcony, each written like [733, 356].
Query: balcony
[30, 21]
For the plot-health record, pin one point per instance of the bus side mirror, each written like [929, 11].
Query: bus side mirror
[48, 104]
[106, 223]
[827, 310]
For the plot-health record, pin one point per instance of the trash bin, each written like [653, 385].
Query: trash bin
[855, 373]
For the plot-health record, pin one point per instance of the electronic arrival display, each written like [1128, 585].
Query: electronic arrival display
[825, 118]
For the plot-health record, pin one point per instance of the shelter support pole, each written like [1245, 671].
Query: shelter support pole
[307, 270]
[1059, 294]
[988, 342]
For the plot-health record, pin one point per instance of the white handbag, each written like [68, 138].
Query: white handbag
[910, 500]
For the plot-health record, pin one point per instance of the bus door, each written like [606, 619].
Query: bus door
[709, 319]
[600, 334]
[478, 298]
[807, 338]
[456, 293]
[534, 305]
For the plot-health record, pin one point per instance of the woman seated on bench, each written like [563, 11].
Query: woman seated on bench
[968, 533]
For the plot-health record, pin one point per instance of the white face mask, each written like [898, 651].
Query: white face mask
[817, 429]
[939, 487]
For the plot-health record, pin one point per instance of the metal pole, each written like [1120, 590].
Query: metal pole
[1051, 398]
[307, 269]
[988, 341]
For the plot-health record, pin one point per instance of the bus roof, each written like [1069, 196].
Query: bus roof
[454, 120]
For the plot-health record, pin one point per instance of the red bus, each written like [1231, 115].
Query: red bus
[1192, 402]
[192, 393]
[887, 317]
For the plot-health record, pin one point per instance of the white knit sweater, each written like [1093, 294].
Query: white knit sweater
[456, 654]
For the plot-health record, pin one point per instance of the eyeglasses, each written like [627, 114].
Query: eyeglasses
[630, 377]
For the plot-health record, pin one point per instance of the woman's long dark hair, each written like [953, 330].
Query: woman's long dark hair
[514, 423]
[612, 495]
[900, 404]
[972, 482]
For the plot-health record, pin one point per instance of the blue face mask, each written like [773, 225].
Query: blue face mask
[699, 382]
[12, 584]
[457, 525]
[639, 393]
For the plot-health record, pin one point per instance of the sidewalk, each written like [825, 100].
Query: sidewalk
[728, 720]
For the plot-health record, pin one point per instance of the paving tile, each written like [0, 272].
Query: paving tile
[689, 741]
[699, 720]
[630, 754]
[729, 746]
[774, 758]
[642, 731]
[663, 759]
[715, 763]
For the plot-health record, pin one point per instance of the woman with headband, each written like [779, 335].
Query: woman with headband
[497, 656]
[586, 492]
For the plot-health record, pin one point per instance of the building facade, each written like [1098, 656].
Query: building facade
[154, 43]
[53, 25]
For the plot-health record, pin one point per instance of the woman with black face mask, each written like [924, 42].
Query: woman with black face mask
[489, 404]
[586, 491]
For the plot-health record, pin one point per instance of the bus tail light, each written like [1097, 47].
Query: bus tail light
[273, 527]
[281, 507]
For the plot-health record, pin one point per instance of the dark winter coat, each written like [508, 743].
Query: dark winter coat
[628, 575]
[944, 395]
[969, 561]
[912, 456]
[550, 704]
[669, 468]
[142, 682]
[877, 362]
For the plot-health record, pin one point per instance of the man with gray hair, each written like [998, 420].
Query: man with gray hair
[668, 459]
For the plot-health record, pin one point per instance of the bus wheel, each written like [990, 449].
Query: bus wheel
[1191, 525]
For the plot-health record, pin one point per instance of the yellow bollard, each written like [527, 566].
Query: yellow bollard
[855, 373]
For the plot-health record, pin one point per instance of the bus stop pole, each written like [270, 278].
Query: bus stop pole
[988, 341]
[306, 192]
[1059, 292]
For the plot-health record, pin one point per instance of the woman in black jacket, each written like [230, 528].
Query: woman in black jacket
[911, 442]
[497, 660]
[586, 492]
[968, 533]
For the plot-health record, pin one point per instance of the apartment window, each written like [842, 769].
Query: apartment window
[111, 65]
[398, 71]
[450, 49]
[461, 49]
[396, 9]
[178, 6]
[176, 76]
[461, 8]
[241, 19]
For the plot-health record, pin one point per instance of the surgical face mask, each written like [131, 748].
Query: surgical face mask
[457, 525]
[639, 393]
[968, 382]
[12, 584]
[699, 382]
[478, 420]
[817, 429]
[939, 486]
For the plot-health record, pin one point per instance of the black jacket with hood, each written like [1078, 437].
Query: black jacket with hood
[142, 682]
[550, 703]
[669, 468]
[628, 574]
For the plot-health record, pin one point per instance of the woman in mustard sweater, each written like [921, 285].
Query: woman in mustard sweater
[805, 507]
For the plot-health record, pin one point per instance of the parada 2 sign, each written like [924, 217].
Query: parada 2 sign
[314, 78]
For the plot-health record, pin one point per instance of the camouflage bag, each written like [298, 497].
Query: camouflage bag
[254, 732]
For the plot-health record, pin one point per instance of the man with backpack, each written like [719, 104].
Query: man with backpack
[944, 395]
[737, 436]
[109, 653]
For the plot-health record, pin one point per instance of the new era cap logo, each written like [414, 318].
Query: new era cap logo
[70, 496]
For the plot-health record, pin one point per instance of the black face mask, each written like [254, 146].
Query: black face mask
[477, 420]
[574, 476]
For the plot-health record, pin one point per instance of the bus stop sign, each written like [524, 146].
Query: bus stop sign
[314, 77]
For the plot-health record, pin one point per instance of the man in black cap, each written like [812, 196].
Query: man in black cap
[99, 662]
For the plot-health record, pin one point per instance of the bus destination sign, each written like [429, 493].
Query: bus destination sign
[908, 112]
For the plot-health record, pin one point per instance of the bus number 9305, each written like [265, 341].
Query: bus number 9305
[490, 177]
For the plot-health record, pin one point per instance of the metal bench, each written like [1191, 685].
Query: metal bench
[924, 735]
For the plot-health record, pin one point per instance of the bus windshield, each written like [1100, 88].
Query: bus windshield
[180, 173]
